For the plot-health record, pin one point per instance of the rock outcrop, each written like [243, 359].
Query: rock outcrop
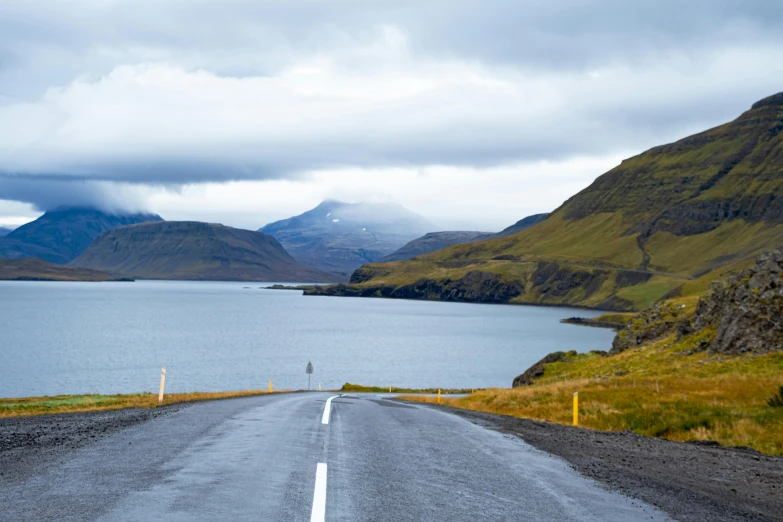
[650, 324]
[537, 370]
[745, 311]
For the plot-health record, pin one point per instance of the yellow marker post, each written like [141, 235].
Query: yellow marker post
[438, 395]
[576, 408]
[389, 389]
[270, 385]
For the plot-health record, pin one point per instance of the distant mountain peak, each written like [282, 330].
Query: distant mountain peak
[339, 237]
[60, 235]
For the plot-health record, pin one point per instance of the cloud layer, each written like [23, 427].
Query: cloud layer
[100, 96]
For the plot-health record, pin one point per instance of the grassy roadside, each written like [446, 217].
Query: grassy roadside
[358, 388]
[79, 403]
[656, 390]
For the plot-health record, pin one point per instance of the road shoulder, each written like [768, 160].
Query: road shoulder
[690, 482]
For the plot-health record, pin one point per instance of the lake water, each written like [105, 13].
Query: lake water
[62, 338]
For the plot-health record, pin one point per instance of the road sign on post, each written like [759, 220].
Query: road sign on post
[309, 371]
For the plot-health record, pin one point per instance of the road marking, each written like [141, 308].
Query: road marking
[328, 409]
[319, 497]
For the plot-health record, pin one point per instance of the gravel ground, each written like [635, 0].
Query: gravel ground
[27, 443]
[690, 482]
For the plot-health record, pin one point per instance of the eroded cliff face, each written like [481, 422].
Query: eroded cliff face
[532, 282]
[474, 287]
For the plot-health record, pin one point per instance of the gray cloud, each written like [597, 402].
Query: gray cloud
[96, 93]
[51, 192]
[45, 43]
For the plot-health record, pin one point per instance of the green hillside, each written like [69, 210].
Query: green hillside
[664, 222]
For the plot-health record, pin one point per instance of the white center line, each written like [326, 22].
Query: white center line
[319, 497]
[328, 409]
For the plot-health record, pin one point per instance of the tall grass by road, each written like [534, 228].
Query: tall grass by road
[656, 390]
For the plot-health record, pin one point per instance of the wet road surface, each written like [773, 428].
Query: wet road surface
[311, 456]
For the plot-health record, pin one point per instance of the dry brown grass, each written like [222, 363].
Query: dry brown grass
[76, 403]
[659, 393]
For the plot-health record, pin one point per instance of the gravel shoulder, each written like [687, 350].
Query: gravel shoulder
[29, 443]
[690, 482]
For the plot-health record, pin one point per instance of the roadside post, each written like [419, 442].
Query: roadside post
[270, 385]
[162, 383]
[309, 371]
[438, 395]
[576, 408]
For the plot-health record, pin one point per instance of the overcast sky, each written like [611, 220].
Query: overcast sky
[472, 113]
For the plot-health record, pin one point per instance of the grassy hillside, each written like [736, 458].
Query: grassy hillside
[660, 222]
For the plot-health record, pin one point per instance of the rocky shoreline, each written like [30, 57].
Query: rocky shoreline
[583, 321]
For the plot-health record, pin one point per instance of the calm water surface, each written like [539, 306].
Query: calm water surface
[59, 338]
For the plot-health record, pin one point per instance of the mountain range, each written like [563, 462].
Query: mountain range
[59, 236]
[665, 222]
[194, 251]
[339, 237]
[434, 241]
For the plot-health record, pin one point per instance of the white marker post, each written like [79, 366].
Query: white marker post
[162, 383]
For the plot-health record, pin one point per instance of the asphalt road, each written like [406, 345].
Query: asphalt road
[302, 457]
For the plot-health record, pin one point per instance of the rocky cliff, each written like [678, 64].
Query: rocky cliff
[532, 282]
